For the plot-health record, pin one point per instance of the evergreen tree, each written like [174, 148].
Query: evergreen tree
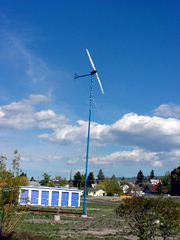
[90, 179]
[32, 179]
[124, 181]
[140, 179]
[152, 176]
[82, 184]
[77, 179]
[113, 177]
[100, 176]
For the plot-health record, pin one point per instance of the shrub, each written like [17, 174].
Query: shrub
[10, 187]
[146, 216]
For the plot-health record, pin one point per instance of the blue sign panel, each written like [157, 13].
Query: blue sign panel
[55, 198]
[44, 198]
[75, 200]
[34, 196]
[24, 196]
[64, 199]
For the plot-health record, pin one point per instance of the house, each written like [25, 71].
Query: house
[154, 181]
[125, 187]
[136, 191]
[175, 182]
[96, 192]
[151, 190]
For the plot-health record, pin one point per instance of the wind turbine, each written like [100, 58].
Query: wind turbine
[90, 108]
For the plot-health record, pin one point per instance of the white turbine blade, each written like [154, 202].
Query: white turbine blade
[100, 83]
[90, 59]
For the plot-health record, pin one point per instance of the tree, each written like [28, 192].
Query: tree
[23, 181]
[10, 181]
[113, 177]
[77, 179]
[112, 186]
[159, 188]
[82, 184]
[124, 181]
[61, 181]
[141, 215]
[101, 185]
[152, 176]
[32, 179]
[166, 181]
[47, 180]
[140, 179]
[90, 179]
[100, 176]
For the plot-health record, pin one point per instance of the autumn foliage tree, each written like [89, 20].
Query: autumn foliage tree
[10, 182]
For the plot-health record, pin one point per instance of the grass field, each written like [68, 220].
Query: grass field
[101, 223]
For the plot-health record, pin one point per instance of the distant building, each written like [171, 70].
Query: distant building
[154, 181]
[49, 196]
[136, 191]
[34, 184]
[125, 188]
[151, 190]
[96, 192]
[175, 182]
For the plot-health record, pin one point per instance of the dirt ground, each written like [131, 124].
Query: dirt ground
[100, 223]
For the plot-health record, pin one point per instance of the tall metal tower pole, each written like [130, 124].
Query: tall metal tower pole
[88, 140]
[90, 108]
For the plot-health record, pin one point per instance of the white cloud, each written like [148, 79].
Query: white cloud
[154, 140]
[151, 133]
[48, 158]
[136, 157]
[22, 115]
[68, 134]
[168, 110]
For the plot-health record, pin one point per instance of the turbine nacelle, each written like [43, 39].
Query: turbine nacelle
[92, 73]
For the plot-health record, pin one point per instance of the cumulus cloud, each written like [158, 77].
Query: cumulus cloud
[168, 110]
[135, 157]
[150, 133]
[22, 115]
[152, 139]
[68, 134]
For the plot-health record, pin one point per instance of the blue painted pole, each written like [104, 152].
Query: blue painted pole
[88, 139]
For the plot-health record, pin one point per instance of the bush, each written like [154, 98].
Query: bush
[10, 182]
[146, 216]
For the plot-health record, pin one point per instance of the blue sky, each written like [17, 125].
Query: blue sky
[135, 46]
